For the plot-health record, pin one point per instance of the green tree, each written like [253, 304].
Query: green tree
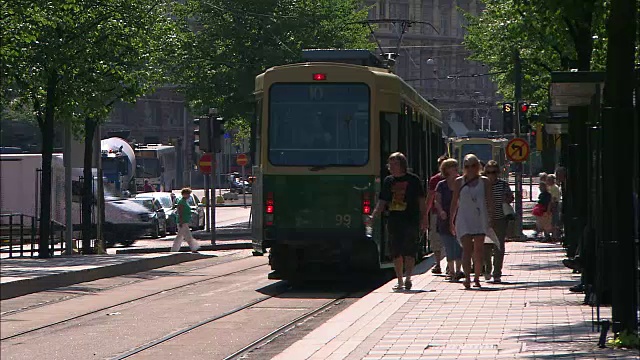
[550, 35]
[71, 60]
[232, 42]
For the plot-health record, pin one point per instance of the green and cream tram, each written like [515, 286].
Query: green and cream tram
[324, 129]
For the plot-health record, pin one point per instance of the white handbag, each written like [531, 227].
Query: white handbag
[507, 209]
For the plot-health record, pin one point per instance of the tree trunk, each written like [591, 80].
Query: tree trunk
[88, 195]
[47, 131]
[618, 122]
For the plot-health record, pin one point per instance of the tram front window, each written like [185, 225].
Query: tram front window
[482, 151]
[319, 124]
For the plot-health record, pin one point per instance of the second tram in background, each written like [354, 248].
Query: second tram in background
[324, 131]
[485, 145]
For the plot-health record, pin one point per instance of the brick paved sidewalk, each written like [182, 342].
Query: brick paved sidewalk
[531, 315]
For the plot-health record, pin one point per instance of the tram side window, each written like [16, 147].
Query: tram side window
[414, 155]
[319, 124]
[389, 132]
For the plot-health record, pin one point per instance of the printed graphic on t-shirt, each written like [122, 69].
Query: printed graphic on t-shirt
[398, 200]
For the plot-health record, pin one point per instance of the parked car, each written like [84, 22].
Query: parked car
[166, 202]
[157, 217]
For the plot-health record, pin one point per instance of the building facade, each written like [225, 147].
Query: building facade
[432, 59]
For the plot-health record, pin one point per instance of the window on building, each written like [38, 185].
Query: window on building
[444, 23]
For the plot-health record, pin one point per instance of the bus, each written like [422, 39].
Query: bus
[156, 163]
[323, 132]
[485, 148]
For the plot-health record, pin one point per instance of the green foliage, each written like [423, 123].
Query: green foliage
[550, 35]
[84, 55]
[625, 339]
[232, 42]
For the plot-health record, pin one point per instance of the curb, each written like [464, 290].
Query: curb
[29, 286]
[185, 249]
[239, 234]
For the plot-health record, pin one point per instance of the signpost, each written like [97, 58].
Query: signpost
[205, 164]
[242, 160]
[518, 150]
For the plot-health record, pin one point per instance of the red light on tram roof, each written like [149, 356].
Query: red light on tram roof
[319, 77]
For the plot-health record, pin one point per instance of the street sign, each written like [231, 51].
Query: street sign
[242, 160]
[518, 150]
[205, 163]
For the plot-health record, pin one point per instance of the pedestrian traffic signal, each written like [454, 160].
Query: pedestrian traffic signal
[507, 118]
[217, 133]
[524, 107]
[202, 133]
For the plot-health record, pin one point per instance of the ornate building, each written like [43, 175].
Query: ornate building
[433, 60]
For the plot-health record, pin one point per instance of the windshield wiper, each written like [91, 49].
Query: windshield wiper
[323, 167]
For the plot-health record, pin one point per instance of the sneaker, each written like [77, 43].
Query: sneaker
[487, 276]
[460, 275]
[408, 284]
[398, 287]
[436, 270]
[577, 289]
[496, 280]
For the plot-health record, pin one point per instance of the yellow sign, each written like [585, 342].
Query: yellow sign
[539, 144]
[518, 150]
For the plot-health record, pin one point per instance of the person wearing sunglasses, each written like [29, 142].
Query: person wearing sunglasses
[501, 193]
[471, 216]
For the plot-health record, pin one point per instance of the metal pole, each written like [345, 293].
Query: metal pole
[518, 95]
[213, 207]
[185, 157]
[68, 195]
[100, 188]
[213, 189]
[207, 204]
[244, 189]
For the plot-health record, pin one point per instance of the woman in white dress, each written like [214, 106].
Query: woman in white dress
[471, 213]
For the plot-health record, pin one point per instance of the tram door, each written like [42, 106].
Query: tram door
[388, 144]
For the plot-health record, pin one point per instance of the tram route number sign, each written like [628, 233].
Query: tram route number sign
[205, 163]
[242, 160]
[518, 150]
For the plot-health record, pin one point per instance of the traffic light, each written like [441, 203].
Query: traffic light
[202, 133]
[524, 107]
[507, 118]
[217, 133]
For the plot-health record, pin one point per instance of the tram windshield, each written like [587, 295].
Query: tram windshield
[482, 151]
[319, 124]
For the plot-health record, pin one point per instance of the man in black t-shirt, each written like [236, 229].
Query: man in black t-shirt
[404, 195]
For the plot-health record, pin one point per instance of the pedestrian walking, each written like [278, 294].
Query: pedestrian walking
[554, 190]
[471, 213]
[435, 243]
[502, 195]
[403, 194]
[442, 203]
[184, 218]
[542, 213]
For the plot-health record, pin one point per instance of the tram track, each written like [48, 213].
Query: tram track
[163, 291]
[115, 286]
[259, 343]
[248, 348]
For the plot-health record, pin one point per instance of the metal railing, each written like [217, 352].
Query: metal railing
[19, 236]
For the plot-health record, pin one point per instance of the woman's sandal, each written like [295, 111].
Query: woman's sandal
[466, 283]
[476, 283]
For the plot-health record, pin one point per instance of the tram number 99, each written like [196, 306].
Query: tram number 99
[343, 220]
